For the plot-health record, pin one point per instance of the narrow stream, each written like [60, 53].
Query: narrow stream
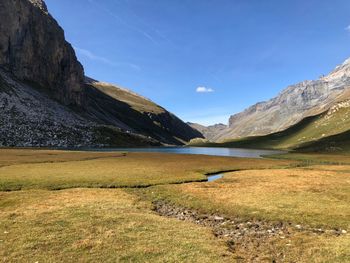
[215, 177]
[211, 177]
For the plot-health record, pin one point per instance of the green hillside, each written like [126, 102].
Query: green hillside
[326, 131]
[335, 143]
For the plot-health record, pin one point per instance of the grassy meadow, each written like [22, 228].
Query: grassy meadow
[54, 170]
[97, 225]
[98, 207]
[313, 198]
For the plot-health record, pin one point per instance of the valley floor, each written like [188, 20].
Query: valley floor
[149, 207]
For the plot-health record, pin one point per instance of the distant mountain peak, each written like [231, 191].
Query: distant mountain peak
[209, 132]
[346, 62]
[291, 105]
[340, 72]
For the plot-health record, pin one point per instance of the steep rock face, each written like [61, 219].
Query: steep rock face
[33, 49]
[290, 106]
[41, 79]
[30, 117]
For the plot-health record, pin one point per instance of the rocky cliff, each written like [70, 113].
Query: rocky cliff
[291, 106]
[33, 49]
[29, 117]
[45, 99]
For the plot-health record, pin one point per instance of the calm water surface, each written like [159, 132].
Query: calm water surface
[233, 152]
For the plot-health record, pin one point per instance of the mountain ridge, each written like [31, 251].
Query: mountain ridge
[38, 65]
[324, 132]
[209, 132]
[290, 106]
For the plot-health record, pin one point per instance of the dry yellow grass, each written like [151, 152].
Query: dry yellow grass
[22, 156]
[137, 102]
[312, 198]
[59, 170]
[339, 168]
[97, 225]
[113, 225]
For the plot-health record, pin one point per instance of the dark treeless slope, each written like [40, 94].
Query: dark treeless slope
[119, 107]
[45, 100]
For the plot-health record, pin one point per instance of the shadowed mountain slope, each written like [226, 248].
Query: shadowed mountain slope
[45, 100]
[133, 113]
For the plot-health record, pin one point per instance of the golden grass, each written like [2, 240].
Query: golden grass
[60, 170]
[313, 198]
[97, 225]
[335, 168]
[313, 248]
[302, 196]
[136, 101]
[23, 156]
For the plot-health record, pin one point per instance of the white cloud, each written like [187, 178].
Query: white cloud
[204, 90]
[348, 28]
[88, 54]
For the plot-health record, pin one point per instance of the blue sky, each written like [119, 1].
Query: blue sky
[206, 59]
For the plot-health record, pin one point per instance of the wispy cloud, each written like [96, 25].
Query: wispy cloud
[348, 28]
[155, 32]
[90, 55]
[202, 89]
[125, 23]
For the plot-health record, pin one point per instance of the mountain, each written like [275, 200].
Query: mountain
[318, 132]
[292, 105]
[112, 105]
[33, 49]
[209, 132]
[30, 117]
[46, 100]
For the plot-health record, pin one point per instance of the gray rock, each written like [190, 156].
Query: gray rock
[45, 99]
[218, 218]
[33, 49]
[290, 106]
